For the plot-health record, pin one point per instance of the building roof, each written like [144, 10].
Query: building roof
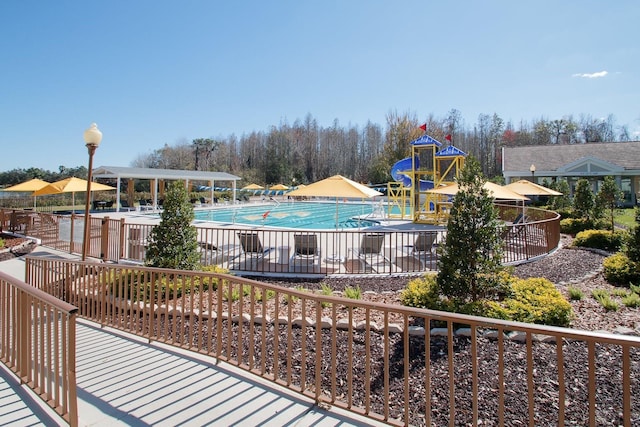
[625, 155]
[171, 174]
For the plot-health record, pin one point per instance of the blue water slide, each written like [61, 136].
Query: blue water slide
[405, 165]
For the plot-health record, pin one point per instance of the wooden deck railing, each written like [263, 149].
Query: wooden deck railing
[38, 343]
[401, 365]
[384, 251]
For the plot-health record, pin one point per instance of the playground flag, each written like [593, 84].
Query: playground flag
[448, 137]
[266, 214]
[423, 127]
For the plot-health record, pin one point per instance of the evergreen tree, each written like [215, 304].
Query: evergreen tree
[174, 241]
[560, 202]
[633, 243]
[472, 253]
[584, 200]
[608, 198]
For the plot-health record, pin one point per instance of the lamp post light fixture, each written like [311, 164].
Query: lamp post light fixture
[532, 169]
[92, 138]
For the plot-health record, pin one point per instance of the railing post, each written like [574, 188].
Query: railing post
[71, 238]
[22, 317]
[104, 238]
[121, 241]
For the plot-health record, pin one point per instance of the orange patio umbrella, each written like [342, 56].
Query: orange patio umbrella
[71, 185]
[28, 187]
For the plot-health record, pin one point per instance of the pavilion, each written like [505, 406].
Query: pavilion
[158, 176]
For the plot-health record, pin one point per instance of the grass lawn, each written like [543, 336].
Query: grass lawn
[625, 217]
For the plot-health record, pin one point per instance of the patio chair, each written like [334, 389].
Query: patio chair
[306, 254]
[251, 245]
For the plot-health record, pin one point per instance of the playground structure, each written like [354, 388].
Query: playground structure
[429, 166]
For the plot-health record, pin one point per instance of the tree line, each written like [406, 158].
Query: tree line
[304, 151]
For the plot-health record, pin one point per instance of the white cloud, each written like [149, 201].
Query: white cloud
[591, 75]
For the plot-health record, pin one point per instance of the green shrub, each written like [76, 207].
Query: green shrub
[1, 243]
[575, 225]
[632, 300]
[325, 289]
[599, 239]
[533, 300]
[620, 270]
[233, 294]
[353, 293]
[422, 293]
[605, 300]
[214, 269]
[575, 294]
[619, 292]
[264, 296]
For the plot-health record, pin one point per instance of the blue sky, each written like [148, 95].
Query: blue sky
[156, 72]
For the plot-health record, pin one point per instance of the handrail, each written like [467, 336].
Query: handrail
[404, 366]
[38, 343]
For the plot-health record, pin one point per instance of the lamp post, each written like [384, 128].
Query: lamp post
[532, 169]
[92, 138]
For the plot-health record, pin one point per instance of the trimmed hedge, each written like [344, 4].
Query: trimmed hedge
[422, 293]
[533, 300]
[575, 225]
[620, 270]
[600, 239]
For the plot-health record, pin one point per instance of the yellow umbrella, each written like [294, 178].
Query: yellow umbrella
[71, 185]
[28, 187]
[336, 186]
[528, 188]
[496, 191]
[253, 187]
[279, 187]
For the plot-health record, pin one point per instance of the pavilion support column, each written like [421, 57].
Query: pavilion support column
[130, 191]
[154, 191]
[161, 188]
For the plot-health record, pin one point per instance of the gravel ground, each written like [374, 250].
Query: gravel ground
[567, 267]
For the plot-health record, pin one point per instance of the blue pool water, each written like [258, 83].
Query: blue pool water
[304, 215]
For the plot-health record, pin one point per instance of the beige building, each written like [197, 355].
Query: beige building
[573, 162]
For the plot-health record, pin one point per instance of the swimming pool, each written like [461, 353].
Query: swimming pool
[303, 215]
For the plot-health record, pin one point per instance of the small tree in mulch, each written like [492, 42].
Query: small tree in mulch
[470, 259]
[583, 200]
[564, 201]
[173, 242]
[608, 198]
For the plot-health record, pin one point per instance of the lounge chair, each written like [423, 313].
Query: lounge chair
[138, 242]
[251, 246]
[124, 206]
[368, 257]
[306, 254]
[422, 252]
[211, 253]
[145, 205]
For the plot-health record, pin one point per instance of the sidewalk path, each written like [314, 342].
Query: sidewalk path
[125, 381]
